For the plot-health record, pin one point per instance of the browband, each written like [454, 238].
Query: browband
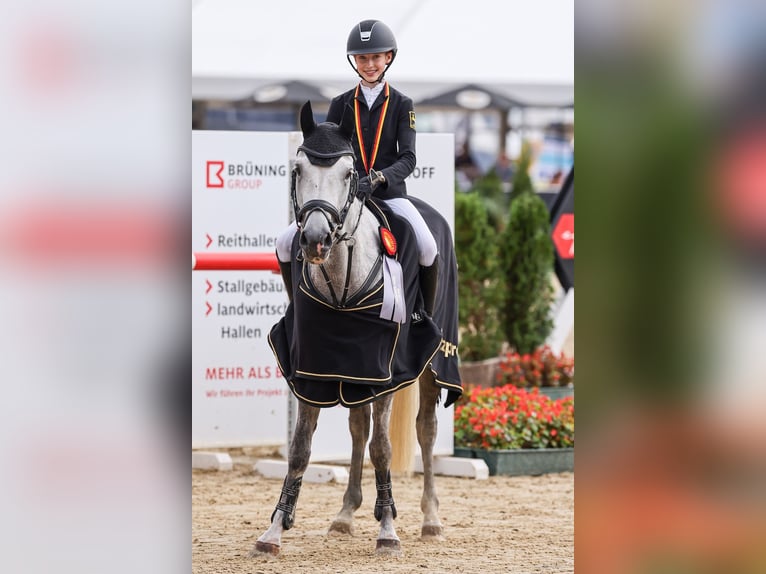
[326, 154]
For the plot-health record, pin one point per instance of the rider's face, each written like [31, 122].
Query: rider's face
[371, 66]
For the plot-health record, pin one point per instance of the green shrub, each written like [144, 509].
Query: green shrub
[527, 254]
[521, 181]
[489, 188]
[479, 280]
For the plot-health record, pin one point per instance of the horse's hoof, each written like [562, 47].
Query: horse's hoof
[340, 528]
[388, 547]
[432, 533]
[264, 549]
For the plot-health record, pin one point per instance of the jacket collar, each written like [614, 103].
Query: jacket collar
[378, 101]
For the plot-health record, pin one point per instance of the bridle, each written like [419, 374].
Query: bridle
[335, 218]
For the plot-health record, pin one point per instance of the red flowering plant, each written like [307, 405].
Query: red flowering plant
[543, 368]
[509, 417]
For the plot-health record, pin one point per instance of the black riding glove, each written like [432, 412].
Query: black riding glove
[364, 189]
[376, 179]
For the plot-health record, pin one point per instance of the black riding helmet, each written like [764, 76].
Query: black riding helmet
[370, 37]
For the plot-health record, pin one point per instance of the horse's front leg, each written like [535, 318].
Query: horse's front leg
[380, 454]
[426, 424]
[283, 516]
[359, 425]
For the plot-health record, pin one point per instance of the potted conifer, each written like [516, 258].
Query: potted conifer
[479, 289]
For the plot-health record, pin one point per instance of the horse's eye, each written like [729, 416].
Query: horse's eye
[349, 173]
[296, 171]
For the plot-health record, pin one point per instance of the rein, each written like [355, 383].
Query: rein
[344, 302]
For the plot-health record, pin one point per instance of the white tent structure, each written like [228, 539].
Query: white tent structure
[522, 49]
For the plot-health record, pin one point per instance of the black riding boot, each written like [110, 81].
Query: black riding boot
[286, 267]
[429, 277]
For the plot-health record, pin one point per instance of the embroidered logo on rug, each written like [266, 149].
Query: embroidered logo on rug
[388, 240]
[412, 120]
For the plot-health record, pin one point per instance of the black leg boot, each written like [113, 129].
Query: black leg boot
[429, 278]
[286, 267]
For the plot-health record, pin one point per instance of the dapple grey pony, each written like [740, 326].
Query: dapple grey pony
[340, 245]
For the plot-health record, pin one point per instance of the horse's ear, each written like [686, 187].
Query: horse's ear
[347, 122]
[307, 119]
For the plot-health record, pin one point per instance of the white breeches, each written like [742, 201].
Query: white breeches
[402, 207]
[427, 248]
[285, 243]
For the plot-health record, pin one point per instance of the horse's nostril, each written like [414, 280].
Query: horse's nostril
[302, 240]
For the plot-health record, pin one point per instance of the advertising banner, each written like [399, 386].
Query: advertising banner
[240, 205]
[240, 183]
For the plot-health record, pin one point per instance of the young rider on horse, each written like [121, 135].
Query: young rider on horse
[384, 144]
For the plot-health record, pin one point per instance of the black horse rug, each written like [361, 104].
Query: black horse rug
[351, 356]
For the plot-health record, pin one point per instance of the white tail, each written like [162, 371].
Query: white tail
[403, 434]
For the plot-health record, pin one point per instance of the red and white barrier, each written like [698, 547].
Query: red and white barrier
[235, 262]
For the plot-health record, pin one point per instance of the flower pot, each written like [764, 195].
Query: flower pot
[481, 373]
[518, 462]
[555, 393]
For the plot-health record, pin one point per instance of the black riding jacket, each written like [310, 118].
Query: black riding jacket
[396, 150]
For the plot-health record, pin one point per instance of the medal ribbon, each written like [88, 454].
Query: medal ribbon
[371, 163]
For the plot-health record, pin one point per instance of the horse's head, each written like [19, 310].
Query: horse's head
[324, 183]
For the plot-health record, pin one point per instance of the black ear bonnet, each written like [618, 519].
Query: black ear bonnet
[326, 142]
